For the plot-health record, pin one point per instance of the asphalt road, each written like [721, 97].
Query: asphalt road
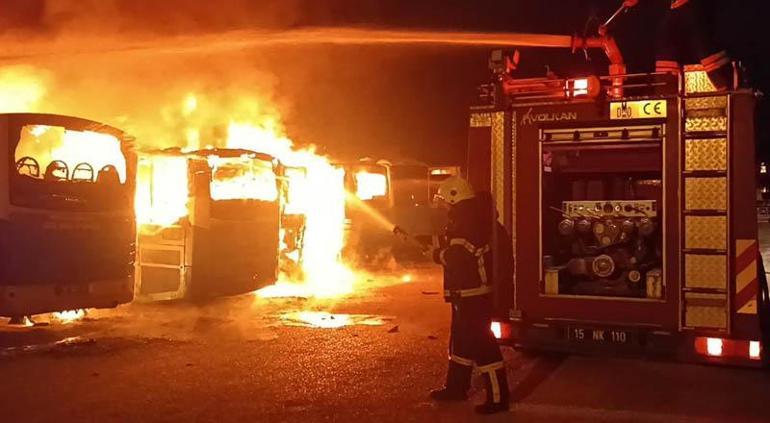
[246, 359]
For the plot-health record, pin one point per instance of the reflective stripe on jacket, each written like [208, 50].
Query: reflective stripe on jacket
[466, 269]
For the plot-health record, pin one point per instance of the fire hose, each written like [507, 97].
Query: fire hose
[404, 236]
[604, 28]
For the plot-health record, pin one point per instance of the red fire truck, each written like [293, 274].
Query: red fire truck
[631, 201]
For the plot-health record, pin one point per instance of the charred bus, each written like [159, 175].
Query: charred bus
[401, 193]
[209, 223]
[632, 199]
[66, 214]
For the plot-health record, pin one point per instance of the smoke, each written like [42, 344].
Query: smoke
[148, 16]
[132, 64]
[80, 57]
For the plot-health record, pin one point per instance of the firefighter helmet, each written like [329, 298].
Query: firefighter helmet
[455, 189]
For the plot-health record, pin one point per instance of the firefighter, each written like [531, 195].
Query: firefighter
[685, 31]
[467, 260]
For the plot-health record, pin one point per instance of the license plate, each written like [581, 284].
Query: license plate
[599, 335]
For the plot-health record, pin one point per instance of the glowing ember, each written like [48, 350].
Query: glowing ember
[371, 185]
[406, 278]
[69, 316]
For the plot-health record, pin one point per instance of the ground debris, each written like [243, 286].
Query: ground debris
[65, 345]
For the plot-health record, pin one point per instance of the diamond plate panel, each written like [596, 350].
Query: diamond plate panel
[706, 124]
[706, 317]
[498, 161]
[481, 120]
[705, 271]
[697, 81]
[705, 232]
[706, 311]
[705, 193]
[513, 184]
[706, 154]
[705, 103]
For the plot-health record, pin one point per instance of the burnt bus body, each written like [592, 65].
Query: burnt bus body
[224, 246]
[635, 207]
[67, 226]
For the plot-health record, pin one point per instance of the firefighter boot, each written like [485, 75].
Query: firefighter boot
[458, 380]
[498, 396]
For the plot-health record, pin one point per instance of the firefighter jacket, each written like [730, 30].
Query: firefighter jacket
[466, 254]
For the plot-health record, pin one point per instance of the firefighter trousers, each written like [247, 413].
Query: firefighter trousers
[472, 344]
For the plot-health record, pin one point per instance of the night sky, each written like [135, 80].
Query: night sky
[412, 101]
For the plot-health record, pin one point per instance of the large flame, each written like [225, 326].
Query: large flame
[318, 193]
[243, 177]
[370, 185]
[81, 155]
[219, 116]
[161, 190]
[21, 88]
[315, 191]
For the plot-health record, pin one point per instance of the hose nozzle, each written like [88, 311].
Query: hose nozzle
[404, 236]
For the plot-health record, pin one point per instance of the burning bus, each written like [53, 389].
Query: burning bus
[210, 222]
[66, 214]
[633, 198]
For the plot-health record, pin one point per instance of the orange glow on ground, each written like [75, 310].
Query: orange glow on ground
[69, 316]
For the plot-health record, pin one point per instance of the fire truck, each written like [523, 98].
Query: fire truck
[631, 201]
[66, 215]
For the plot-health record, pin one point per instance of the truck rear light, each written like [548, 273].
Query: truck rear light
[497, 329]
[755, 350]
[728, 348]
[584, 87]
[714, 347]
[580, 87]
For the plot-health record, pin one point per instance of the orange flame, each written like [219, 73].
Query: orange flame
[21, 88]
[83, 153]
[370, 185]
[161, 190]
[234, 119]
[242, 178]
